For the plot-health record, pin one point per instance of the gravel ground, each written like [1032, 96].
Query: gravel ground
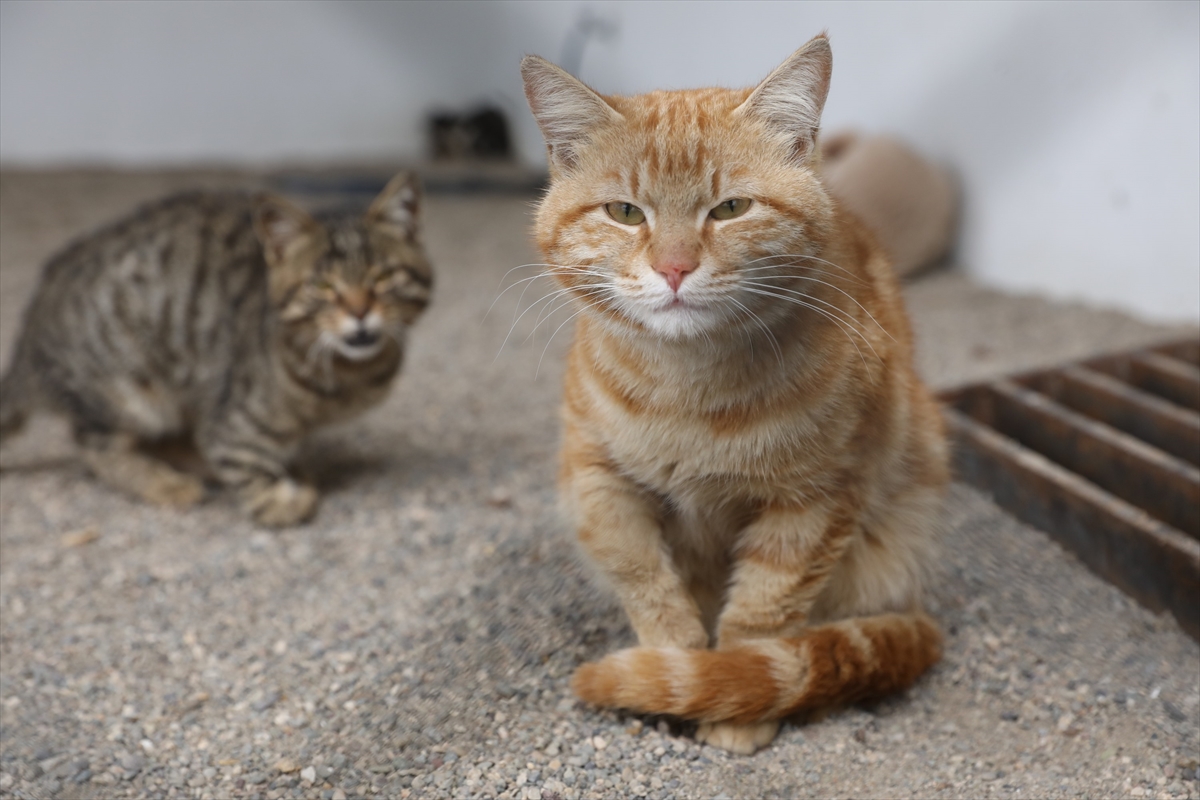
[416, 640]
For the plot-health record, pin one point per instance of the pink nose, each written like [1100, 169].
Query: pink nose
[675, 272]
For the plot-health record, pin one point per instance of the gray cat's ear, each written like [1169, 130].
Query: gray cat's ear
[791, 98]
[282, 227]
[565, 109]
[398, 206]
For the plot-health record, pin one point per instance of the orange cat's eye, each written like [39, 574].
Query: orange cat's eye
[734, 207]
[625, 213]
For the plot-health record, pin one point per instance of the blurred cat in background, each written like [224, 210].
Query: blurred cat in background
[238, 322]
[909, 203]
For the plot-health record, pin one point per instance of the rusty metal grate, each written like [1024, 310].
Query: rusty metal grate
[1103, 455]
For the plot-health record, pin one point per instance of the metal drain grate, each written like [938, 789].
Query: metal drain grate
[1104, 456]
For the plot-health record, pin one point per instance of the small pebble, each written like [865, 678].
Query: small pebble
[132, 764]
[1173, 711]
[270, 699]
[80, 537]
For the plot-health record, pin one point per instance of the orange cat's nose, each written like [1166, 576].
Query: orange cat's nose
[675, 271]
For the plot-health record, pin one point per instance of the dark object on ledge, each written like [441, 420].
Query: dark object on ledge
[1105, 457]
[471, 153]
[481, 134]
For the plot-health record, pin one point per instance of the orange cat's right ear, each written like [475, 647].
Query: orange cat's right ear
[791, 98]
[565, 109]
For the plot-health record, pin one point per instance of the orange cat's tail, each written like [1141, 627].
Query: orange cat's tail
[843, 662]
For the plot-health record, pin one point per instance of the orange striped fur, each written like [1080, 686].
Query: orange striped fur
[748, 455]
[842, 662]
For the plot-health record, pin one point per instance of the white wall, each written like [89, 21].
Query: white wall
[1075, 127]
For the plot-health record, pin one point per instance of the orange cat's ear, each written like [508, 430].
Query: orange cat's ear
[282, 227]
[397, 207]
[566, 110]
[791, 98]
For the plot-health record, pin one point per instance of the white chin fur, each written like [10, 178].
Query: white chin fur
[680, 322]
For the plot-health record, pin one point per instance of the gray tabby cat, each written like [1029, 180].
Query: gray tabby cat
[240, 322]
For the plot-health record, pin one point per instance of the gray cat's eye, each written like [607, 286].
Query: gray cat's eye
[731, 208]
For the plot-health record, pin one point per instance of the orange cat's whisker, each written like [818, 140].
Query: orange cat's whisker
[571, 293]
[551, 297]
[845, 323]
[845, 327]
[506, 290]
[585, 305]
[552, 268]
[846, 316]
[550, 309]
[847, 272]
[757, 320]
[521, 299]
[839, 289]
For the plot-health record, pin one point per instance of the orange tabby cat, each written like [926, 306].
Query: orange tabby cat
[748, 456]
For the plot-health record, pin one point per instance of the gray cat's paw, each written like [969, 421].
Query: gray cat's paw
[741, 739]
[282, 504]
[174, 489]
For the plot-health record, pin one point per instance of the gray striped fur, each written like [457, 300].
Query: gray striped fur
[239, 322]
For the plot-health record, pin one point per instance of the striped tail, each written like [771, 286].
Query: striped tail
[836, 664]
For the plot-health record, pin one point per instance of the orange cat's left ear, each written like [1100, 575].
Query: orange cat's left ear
[567, 111]
[791, 98]
[397, 207]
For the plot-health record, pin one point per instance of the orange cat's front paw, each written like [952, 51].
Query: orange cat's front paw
[686, 633]
[741, 739]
